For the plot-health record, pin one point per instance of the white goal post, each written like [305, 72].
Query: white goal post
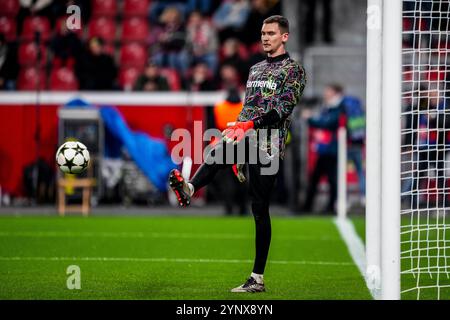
[384, 26]
[408, 147]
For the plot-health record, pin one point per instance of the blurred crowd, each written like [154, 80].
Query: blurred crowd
[142, 45]
[207, 45]
[426, 83]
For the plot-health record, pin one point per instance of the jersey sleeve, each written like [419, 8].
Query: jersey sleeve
[292, 90]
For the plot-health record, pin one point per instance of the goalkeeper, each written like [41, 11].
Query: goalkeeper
[274, 88]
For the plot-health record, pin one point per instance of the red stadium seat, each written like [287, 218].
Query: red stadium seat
[408, 74]
[28, 54]
[410, 24]
[173, 78]
[63, 79]
[128, 77]
[8, 28]
[133, 54]
[57, 62]
[407, 24]
[30, 78]
[104, 8]
[31, 25]
[102, 27]
[9, 8]
[135, 7]
[135, 29]
[435, 75]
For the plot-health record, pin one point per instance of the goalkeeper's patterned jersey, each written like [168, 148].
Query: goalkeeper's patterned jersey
[275, 83]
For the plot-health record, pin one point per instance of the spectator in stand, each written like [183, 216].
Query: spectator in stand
[96, 69]
[229, 77]
[230, 18]
[260, 10]
[231, 56]
[310, 22]
[202, 40]
[66, 46]
[431, 12]
[157, 8]
[226, 186]
[326, 125]
[171, 41]
[429, 141]
[355, 121]
[151, 80]
[9, 67]
[206, 7]
[200, 79]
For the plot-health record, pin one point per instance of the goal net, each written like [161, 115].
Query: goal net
[425, 150]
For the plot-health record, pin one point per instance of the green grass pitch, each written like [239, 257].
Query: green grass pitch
[160, 258]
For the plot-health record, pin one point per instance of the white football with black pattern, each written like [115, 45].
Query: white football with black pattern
[72, 157]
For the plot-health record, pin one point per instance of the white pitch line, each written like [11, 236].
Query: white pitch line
[127, 259]
[70, 234]
[355, 246]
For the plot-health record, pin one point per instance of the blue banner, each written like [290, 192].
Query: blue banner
[150, 154]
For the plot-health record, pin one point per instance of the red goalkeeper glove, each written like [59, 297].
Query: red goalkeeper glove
[236, 133]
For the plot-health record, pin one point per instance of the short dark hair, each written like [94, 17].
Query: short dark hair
[283, 23]
[336, 87]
